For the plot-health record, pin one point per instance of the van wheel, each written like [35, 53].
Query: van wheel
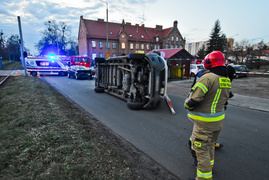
[136, 56]
[99, 89]
[61, 73]
[100, 60]
[34, 73]
[135, 106]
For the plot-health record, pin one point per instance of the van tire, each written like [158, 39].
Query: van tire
[33, 73]
[100, 60]
[99, 89]
[136, 56]
[135, 106]
[61, 73]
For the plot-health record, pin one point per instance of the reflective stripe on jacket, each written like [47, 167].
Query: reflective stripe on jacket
[210, 93]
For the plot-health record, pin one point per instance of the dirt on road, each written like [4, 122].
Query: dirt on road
[251, 86]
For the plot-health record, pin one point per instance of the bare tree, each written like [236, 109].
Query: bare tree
[56, 38]
[241, 50]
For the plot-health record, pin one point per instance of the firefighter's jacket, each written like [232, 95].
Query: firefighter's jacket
[206, 101]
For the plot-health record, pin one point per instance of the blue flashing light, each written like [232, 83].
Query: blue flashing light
[52, 56]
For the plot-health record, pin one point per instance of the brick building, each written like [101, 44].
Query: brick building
[125, 38]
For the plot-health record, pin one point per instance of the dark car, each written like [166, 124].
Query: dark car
[241, 71]
[79, 72]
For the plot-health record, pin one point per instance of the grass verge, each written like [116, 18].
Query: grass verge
[44, 136]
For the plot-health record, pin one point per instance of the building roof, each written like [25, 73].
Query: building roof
[176, 53]
[97, 29]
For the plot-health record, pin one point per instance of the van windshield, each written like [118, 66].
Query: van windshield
[85, 59]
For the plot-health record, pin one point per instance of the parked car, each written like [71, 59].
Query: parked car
[195, 68]
[79, 72]
[241, 71]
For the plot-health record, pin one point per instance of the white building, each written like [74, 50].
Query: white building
[194, 47]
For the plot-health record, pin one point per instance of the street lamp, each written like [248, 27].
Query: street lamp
[106, 24]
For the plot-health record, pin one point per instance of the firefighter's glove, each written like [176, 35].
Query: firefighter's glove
[188, 107]
[225, 105]
[190, 104]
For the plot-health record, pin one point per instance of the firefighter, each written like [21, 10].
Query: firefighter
[206, 109]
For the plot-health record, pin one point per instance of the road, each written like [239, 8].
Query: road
[164, 137]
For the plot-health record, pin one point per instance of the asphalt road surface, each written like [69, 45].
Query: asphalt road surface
[164, 136]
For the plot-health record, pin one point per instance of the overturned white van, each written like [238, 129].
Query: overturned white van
[45, 65]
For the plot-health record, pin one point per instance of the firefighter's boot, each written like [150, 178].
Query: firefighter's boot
[218, 145]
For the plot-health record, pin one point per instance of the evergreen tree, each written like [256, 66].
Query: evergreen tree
[218, 40]
[201, 53]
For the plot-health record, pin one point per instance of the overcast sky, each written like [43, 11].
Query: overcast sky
[240, 19]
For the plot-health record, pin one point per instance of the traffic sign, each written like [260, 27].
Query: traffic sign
[107, 54]
[162, 54]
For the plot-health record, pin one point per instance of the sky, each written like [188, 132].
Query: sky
[239, 19]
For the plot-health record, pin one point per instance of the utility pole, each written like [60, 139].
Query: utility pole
[22, 48]
[106, 24]
[1, 40]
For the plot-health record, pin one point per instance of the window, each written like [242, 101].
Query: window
[114, 55]
[93, 55]
[107, 45]
[101, 55]
[100, 44]
[142, 46]
[176, 46]
[122, 45]
[147, 46]
[157, 38]
[76, 59]
[85, 59]
[93, 44]
[131, 46]
[114, 45]
[176, 38]
[137, 46]
[172, 46]
[166, 46]
[155, 47]
[172, 38]
[158, 46]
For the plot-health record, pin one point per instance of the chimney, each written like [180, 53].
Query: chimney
[128, 23]
[100, 20]
[159, 27]
[175, 24]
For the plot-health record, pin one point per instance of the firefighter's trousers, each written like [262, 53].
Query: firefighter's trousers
[204, 137]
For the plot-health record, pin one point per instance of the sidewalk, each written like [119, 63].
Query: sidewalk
[12, 72]
[260, 104]
[183, 87]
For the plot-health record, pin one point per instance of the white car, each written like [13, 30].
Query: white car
[195, 68]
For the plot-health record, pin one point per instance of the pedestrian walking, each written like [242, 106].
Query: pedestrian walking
[206, 109]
